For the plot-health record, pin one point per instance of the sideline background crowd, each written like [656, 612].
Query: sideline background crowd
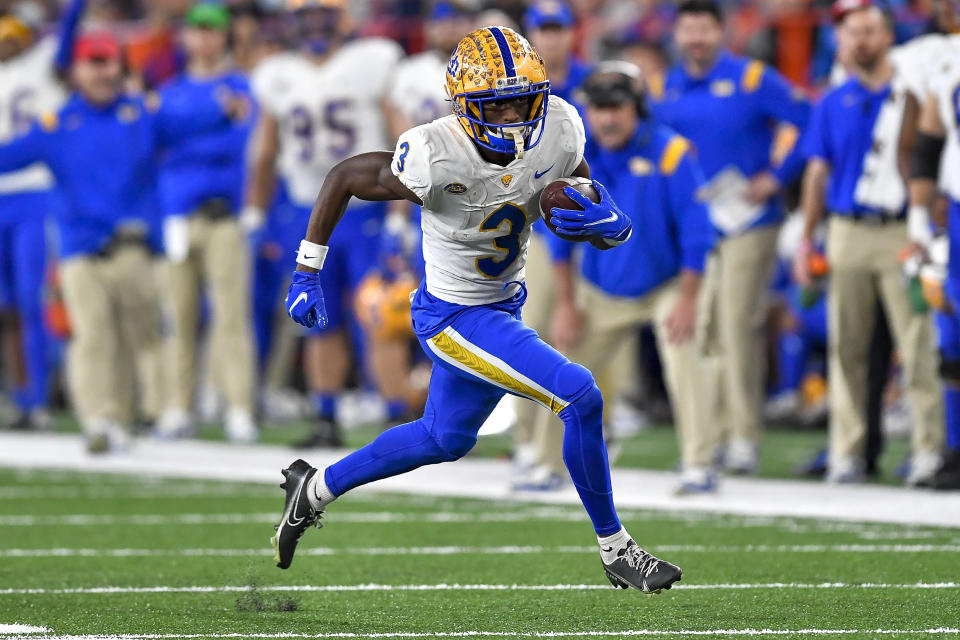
[194, 332]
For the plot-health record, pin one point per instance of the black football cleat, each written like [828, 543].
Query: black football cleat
[634, 567]
[298, 515]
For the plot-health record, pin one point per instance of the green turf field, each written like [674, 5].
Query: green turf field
[74, 550]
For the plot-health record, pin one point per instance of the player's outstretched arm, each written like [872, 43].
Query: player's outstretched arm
[368, 177]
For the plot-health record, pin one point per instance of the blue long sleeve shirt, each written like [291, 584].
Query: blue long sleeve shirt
[104, 160]
[730, 114]
[654, 180]
[209, 164]
[848, 132]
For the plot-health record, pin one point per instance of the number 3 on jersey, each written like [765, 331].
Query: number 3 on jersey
[509, 244]
[402, 160]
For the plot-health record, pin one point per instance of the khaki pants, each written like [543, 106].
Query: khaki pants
[733, 315]
[612, 322]
[218, 256]
[115, 318]
[864, 266]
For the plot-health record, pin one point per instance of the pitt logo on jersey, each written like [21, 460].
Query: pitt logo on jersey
[506, 180]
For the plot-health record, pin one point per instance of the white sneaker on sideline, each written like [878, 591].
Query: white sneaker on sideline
[844, 470]
[740, 457]
[240, 427]
[174, 424]
[923, 466]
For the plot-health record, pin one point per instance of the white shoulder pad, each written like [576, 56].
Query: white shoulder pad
[272, 78]
[411, 162]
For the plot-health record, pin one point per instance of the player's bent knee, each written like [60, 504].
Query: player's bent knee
[575, 384]
[455, 445]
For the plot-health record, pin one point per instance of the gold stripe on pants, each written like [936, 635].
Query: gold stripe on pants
[864, 266]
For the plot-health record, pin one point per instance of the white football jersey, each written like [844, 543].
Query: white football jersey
[28, 89]
[326, 112]
[419, 88]
[945, 85]
[476, 216]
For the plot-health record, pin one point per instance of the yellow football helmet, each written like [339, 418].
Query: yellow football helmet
[496, 64]
[15, 29]
[383, 306]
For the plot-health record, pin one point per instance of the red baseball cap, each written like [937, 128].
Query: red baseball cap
[97, 45]
[841, 8]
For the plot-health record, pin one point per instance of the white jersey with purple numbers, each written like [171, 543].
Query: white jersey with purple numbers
[944, 85]
[418, 88]
[476, 215]
[28, 89]
[326, 112]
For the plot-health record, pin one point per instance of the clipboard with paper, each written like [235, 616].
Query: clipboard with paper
[726, 197]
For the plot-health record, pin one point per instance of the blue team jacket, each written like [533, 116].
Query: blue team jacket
[654, 180]
[730, 115]
[104, 160]
[209, 164]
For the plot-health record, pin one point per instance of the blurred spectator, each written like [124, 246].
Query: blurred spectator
[654, 277]
[101, 148]
[31, 69]
[729, 107]
[866, 199]
[201, 184]
[316, 110]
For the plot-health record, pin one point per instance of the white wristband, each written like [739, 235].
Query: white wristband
[312, 255]
[918, 225]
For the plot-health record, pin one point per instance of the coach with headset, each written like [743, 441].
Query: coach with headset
[655, 276]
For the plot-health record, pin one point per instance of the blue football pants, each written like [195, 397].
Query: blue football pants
[22, 270]
[481, 355]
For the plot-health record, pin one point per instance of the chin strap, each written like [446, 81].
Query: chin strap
[517, 134]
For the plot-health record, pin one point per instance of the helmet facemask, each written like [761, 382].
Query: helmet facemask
[514, 137]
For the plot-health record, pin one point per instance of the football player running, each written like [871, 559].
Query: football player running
[320, 105]
[476, 174]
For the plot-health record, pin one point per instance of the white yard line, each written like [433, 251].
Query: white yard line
[520, 634]
[60, 552]
[15, 628]
[470, 587]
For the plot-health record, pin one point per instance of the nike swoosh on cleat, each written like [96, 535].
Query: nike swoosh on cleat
[606, 550]
[300, 298]
[293, 511]
[539, 174]
[612, 218]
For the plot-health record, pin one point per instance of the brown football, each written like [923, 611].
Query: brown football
[553, 196]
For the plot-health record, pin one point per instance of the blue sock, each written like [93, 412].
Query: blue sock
[325, 405]
[951, 401]
[396, 409]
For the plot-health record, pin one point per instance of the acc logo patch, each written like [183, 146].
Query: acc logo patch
[506, 180]
[640, 166]
[723, 88]
[455, 188]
